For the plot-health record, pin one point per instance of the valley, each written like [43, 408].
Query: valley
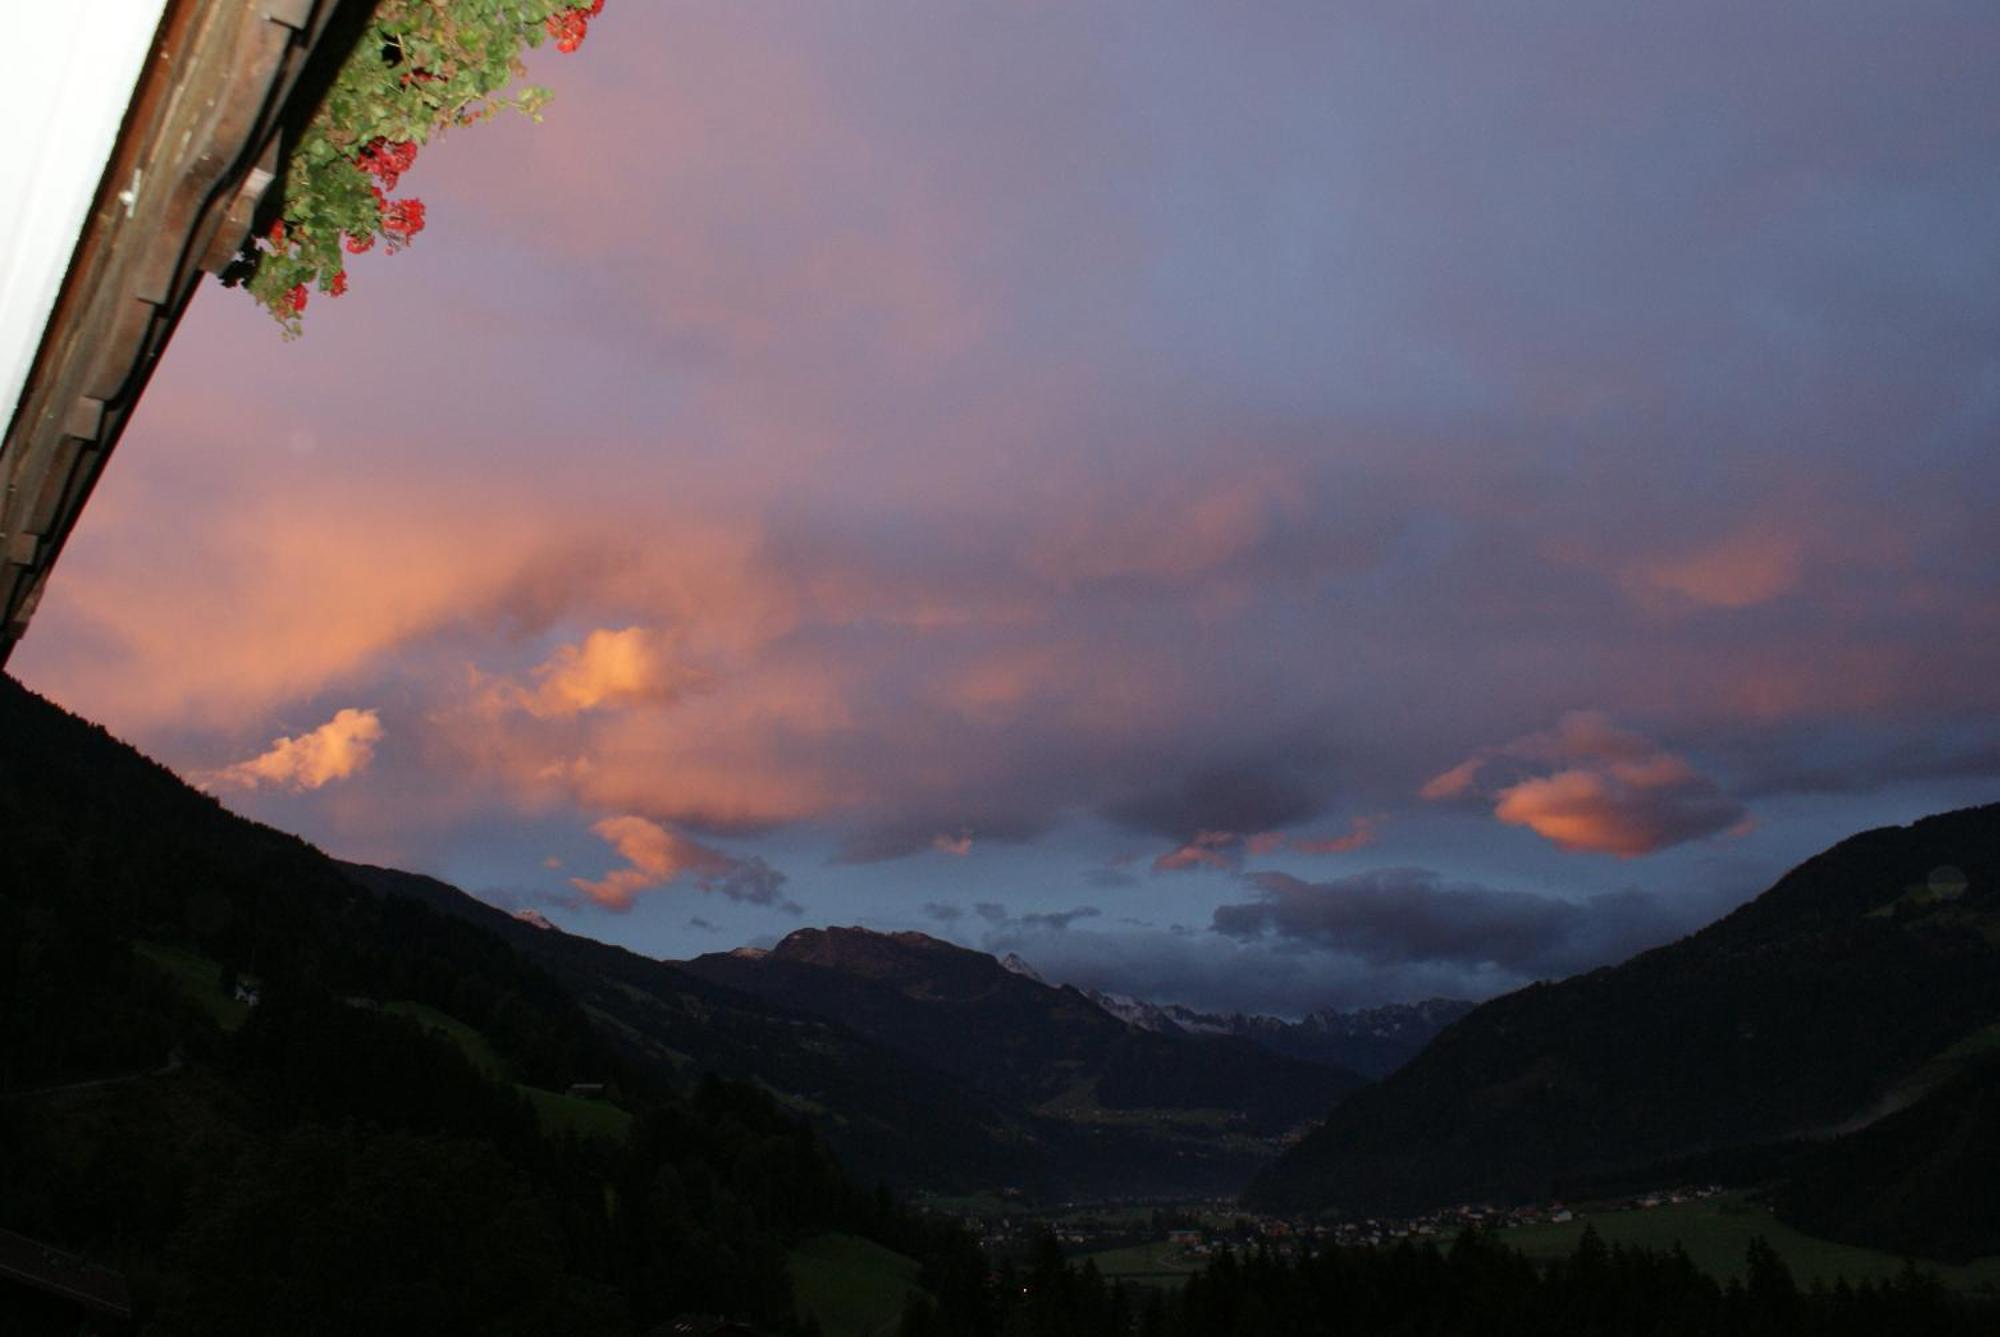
[228, 999]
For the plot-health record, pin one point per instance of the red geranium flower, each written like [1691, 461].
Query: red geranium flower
[387, 160]
[402, 220]
[568, 28]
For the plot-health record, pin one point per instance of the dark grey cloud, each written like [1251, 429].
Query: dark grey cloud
[1255, 793]
[1210, 971]
[1058, 920]
[1003, 819]
[942, 912]
[1396, 916]
[1391, 935]
[1860, 760]
[990, 911]
[753, 882]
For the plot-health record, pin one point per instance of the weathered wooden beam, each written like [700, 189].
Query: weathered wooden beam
[202, 142]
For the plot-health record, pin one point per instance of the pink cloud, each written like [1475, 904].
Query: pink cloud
[1209, 849]
[1226, 850]
[340, 748]
[1748, 568]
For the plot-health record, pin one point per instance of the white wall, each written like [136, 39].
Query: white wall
[66, 77]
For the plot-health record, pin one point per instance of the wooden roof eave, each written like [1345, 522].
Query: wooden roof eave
[202, 142]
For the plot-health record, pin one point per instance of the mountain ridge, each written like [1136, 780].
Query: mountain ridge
[1046, 1047]
[377, 1137]
[1372, 1041]
[1795, 1013]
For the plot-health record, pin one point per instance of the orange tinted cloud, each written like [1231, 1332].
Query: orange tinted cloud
[341, 747]
[1454, 783]
[304, 591]
[751, 750]
[655, 856]
[1209, 849]
[609, 668]
[1746, 569]
[1611, 791]
[1226, 849]
[1359, 835]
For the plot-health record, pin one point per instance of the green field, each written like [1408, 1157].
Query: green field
[558, 1113]
[1154, 1264]
[853, 1287]
[1716, 1232]
[561, 1113]
[470, 1042]
[201, 978]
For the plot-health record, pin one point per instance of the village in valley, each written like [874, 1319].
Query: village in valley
[1163, 1241]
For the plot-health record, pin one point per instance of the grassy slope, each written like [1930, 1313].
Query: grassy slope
[477, 1049]
[558, 1113]
[586, 1118]
[852, 1286]
[1716, 1231]
[1154, 1264]
[201, 978]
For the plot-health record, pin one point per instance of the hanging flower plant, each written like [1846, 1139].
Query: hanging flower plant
[420, 67]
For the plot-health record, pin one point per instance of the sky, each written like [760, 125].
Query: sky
[1262, 506]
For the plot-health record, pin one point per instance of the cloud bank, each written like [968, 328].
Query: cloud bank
[957, 442]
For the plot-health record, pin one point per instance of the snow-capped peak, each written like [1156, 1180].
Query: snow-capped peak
[1205, 1023]
[1132, 1011]
[1012, 962]
[535, 918]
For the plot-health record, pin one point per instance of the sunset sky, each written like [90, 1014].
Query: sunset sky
[1263, 505]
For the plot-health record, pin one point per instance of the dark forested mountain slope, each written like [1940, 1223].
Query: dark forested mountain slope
[875, 1056]
[1924, 1180]
[1825, 1002]
[891, 1118]
[1024, 1041]
[383, 1142]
